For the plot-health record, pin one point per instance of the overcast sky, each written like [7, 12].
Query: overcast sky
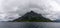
[12, 9]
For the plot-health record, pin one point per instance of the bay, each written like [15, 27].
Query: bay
[29, 25]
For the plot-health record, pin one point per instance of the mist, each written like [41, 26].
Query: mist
[13, 9]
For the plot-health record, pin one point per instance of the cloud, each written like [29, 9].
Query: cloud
[12, 9]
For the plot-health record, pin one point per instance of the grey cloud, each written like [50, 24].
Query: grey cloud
[17, 8]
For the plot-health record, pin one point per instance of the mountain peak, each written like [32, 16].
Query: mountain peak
[31, 12]
[32, 17]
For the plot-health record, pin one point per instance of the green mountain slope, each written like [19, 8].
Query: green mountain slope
[32, 17]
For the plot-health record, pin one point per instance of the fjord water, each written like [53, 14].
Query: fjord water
[29, 25]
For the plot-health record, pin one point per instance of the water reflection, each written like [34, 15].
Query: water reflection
[29, 25]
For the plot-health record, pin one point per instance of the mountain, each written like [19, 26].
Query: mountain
[32, 17]
[57, 20]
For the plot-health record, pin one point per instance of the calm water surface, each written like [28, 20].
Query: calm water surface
[29, 25]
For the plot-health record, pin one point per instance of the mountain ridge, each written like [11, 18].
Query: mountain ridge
[32, 17]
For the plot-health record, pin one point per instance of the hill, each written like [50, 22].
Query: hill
[32, 17]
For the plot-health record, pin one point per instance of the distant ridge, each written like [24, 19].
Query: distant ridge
[57, 20]
[32, 17]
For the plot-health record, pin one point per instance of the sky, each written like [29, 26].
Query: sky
[12, 9]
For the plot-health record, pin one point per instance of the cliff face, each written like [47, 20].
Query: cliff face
[32, 17]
